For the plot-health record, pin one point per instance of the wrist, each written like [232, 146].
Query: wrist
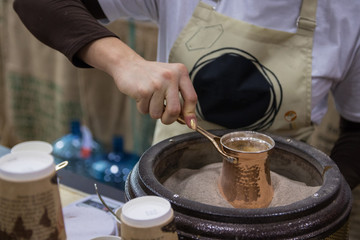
[108, 54]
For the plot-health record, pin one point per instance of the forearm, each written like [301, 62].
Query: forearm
[346, 152]
[65, 25]
[109, 54]
[69, 27]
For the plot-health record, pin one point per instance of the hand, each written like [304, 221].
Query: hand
[149, 83]
[153, 83]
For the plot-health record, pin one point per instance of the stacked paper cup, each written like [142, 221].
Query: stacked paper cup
[30, 206]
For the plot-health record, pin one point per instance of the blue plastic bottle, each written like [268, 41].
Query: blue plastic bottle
[76, 149]
[115, 168]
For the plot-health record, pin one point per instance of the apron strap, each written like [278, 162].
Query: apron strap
[306, 22]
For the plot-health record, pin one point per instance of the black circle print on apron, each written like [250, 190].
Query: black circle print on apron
[235, 90]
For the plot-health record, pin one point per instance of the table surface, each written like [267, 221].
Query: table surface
[74, 187]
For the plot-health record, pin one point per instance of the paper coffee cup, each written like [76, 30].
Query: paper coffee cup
[39, 146]
[30, 206]
[118, 223]
[146, 218]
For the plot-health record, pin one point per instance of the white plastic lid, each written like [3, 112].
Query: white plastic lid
[33, 146]
[146, 211]
[26, 166]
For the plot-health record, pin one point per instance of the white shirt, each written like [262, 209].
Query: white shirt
[336, 48]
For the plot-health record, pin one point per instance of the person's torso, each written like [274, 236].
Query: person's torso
[282, 15]
[333, 53]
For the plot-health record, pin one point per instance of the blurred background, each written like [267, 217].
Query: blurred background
[44, 97]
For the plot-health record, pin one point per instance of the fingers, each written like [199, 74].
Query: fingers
[143, 98]
[173, 106]
[173, 109]
[190, 99]
[156, 106]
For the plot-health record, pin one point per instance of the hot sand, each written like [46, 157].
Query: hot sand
[200, 185]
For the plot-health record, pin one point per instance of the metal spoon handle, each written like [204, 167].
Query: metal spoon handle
[215, 140]
[103, 202]
[61, 165]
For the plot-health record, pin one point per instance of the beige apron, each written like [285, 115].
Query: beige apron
[247, 77]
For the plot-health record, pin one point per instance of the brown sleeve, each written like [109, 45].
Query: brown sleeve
[65, 25]
[94, 8]
[346, 152]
